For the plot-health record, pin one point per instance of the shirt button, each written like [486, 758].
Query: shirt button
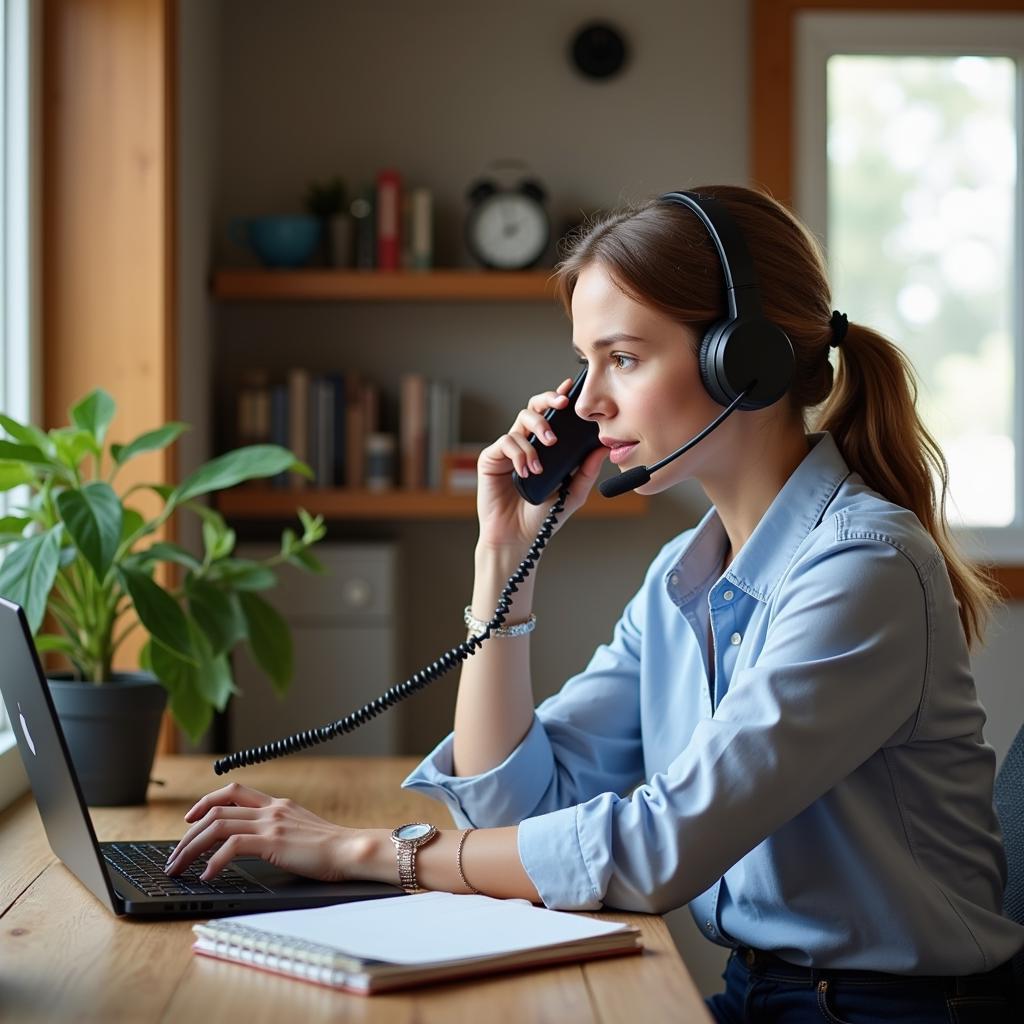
[674, 578]
[710, 927]
[735, 639]
[728, 595]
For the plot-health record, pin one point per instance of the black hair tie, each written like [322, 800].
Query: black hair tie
[839, 325]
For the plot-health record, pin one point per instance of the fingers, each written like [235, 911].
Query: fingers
[233, 793]
[584, 478]
[238, 845]
[223, 830]
[518, 450]
[214, 814]
[550, 399]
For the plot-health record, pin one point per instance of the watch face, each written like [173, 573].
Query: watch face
[417, 831]
[508, 231]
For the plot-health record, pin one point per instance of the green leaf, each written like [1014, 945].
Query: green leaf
[152, 440]
[163, 551]
[29, 453]
[190, 710]
[269, 639]
[25, 433]
[93, 519]
[305, 559]
[55, 642]
[93, 414]
[159, 612]
[188, 706]
[219, 615]
[218, 539]
[12, 528]
[207, 514]
[72, 445]
[14, 474]
[28, 572]
[213, 675]
[132, 522]
[242, 574]
[253, 462]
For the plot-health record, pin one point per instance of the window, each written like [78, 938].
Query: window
[17, 379]
[910, 139]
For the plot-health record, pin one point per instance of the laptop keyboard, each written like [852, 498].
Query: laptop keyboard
[143, 865]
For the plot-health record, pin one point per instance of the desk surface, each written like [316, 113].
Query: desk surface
[63, 955]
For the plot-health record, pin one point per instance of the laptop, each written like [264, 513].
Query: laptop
[128, 877]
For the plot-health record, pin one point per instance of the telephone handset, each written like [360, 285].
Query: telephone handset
[573, 444]
[576, 439]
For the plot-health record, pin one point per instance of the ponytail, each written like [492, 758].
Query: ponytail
[872, 416]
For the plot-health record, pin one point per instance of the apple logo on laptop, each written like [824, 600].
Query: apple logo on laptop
[24, 729]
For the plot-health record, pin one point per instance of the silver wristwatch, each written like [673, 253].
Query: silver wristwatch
[408, 839]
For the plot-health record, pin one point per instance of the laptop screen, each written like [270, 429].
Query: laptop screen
[45, 754]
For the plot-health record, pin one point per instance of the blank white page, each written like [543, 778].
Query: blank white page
[429, 927]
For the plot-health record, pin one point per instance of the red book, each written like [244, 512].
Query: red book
[389, 220]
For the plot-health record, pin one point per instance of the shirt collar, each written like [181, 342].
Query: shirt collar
[795, 511]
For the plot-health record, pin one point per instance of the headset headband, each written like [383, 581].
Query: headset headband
[741, 292]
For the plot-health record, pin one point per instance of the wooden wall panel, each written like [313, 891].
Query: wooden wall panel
[108, 288]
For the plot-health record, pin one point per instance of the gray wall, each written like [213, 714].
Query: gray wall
[275, 94]
[311, 89]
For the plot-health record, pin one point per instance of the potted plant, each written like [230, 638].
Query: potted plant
[326, 200]
[81, 557]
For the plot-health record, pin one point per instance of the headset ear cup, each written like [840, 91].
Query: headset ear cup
[710, 359]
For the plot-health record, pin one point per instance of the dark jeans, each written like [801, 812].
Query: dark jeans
[762, 988]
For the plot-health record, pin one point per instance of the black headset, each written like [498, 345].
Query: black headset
[746, 347]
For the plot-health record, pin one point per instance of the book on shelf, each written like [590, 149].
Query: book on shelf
[412, 422]
[364, 222]
[298, 421]
[329, 419]
[381, 945]
[389, 220]
[418, 232]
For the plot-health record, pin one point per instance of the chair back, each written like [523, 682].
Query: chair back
[1009, 801]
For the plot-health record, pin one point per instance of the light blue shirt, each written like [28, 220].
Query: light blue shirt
[828, 798]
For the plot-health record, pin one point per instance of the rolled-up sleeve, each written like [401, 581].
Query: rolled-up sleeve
[583, 741]
[841, 673]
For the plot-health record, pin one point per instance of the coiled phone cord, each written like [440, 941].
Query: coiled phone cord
[416, 682]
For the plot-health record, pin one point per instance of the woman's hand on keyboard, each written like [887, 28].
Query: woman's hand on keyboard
[249, 823]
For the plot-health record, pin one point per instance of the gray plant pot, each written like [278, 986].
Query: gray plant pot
[111, 730]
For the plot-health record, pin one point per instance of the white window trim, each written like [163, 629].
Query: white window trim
[19, 212]
[820, 35]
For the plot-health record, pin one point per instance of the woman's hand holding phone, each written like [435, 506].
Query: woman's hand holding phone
[507, 522]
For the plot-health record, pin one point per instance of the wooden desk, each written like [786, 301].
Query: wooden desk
[64, 956]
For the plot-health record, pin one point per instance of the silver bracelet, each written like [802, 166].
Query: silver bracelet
[477, 626]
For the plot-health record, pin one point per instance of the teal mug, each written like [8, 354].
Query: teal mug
[286, 241]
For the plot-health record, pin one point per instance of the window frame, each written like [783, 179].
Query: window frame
[774, 151]
[822, 34]
[19, 301]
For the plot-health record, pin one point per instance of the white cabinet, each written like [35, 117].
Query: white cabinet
[343, 631]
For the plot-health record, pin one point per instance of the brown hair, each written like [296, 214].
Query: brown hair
[661, 255]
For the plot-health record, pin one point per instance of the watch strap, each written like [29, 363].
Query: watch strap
[405, 851]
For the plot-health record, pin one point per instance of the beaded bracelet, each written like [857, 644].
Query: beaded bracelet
[477, 626]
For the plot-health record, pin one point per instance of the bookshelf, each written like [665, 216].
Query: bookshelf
[255, 503]
[252, 503]
[320, 285]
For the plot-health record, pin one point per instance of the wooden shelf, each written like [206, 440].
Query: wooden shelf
[249, 503]
[385, 286]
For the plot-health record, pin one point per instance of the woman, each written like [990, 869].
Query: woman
[783, 731]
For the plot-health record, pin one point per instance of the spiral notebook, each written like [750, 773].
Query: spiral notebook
[381, 945]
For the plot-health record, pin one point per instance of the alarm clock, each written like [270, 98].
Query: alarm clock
[507, 228]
